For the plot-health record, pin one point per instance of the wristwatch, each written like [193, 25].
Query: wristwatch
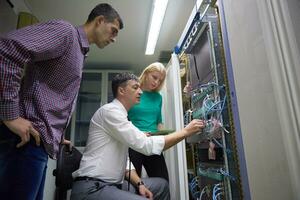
[140, 183]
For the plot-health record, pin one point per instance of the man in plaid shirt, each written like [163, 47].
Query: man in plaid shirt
[36, 104]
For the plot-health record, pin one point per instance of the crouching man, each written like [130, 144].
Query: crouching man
[103, 165]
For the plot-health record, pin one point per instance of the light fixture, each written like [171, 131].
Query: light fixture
[158, 12]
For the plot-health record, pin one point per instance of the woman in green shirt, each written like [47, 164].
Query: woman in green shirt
[147, 117]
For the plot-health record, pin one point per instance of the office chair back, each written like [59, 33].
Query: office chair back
[67, 162]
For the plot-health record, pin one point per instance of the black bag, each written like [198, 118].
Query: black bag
[67, 162]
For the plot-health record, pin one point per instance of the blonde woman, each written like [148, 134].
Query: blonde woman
[147, 117]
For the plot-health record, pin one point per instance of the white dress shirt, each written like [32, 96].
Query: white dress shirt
[110, 135]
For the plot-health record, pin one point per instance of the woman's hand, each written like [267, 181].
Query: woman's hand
[148, 134]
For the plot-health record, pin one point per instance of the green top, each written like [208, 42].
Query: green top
[147, 114]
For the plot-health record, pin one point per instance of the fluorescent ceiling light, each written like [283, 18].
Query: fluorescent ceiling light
[158, 13]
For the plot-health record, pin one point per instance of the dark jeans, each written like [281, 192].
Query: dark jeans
[22, 170]
[154, 165]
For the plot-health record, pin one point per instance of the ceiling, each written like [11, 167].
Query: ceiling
[129, 50]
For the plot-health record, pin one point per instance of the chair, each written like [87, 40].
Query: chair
[67, 162]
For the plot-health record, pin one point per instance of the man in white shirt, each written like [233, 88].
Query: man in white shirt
[103, 165]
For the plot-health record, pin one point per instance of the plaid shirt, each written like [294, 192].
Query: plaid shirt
[50, 56]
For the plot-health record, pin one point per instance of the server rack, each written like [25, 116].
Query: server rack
[214, 159]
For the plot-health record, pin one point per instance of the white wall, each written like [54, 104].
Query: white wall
[294, 7]
[173, 119]
[49, 190]
[270, 164]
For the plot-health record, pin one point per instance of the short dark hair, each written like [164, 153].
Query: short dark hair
[107, 11]
[120, 80]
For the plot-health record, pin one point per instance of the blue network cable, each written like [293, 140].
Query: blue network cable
[228, 151]
[193, 187]
[202, 192]
[216, 190]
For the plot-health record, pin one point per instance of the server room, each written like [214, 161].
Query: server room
[149, 99]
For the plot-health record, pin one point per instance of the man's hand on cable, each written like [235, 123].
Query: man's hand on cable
[145, 192]
[194, 126]
[23, 128]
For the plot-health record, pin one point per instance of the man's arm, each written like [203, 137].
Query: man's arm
[193, 127]
[136, 181]
[34, 43]
[125, 132]
[39, 42]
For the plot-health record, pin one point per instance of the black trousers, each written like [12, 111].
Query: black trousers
[154, 165]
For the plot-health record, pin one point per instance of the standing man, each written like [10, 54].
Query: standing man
[103, 165]
[36, 101]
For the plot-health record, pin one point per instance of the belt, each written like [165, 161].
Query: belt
[86, 178]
